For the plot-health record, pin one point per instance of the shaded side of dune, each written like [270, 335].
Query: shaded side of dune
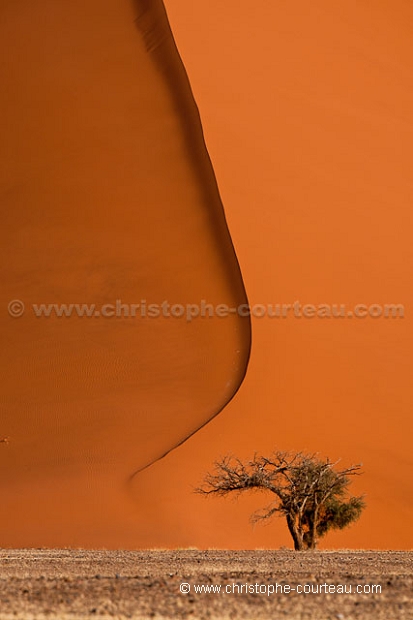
[108, 196]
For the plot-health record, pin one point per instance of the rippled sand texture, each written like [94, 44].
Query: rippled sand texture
[107, 192]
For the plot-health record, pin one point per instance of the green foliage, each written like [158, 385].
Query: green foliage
[339, 514]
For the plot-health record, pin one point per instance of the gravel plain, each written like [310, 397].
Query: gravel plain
[40, 584]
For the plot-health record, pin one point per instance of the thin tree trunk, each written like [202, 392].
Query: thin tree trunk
[313, 531]
[295, 533]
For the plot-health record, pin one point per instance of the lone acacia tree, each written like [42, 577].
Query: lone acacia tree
[309, 492]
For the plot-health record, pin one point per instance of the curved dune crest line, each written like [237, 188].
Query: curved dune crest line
[107, 193]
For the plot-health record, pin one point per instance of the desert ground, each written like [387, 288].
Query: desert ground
[76, 584]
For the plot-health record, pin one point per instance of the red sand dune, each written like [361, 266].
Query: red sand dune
[306, 109]
[108, 194]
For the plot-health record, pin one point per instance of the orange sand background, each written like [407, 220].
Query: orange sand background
[306, 109]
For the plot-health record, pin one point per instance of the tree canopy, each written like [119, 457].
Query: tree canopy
[310, 492]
